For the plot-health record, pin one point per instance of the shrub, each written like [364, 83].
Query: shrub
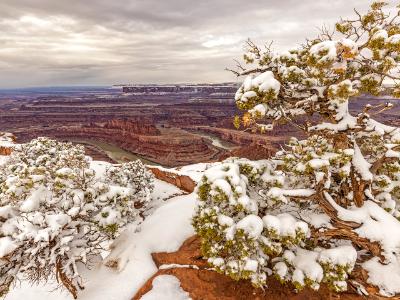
[57, 212]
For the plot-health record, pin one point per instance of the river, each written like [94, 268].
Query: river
[215, 140]
[114, 152]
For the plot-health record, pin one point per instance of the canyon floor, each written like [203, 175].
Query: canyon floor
[156, 124]
[164, 125]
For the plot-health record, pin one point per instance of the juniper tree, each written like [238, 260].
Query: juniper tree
[58, 213]
[324, 209]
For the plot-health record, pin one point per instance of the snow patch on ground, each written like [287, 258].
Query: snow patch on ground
[386, 277]
[166, 287]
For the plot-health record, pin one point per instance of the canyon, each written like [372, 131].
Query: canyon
[168, 125]
[165, 125]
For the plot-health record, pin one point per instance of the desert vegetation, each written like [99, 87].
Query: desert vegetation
[59, 212]
[323, 210]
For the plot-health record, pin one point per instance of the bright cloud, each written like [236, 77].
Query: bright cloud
[47, 42]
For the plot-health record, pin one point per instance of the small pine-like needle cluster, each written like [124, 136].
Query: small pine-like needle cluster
[324, 210]
[57, 212]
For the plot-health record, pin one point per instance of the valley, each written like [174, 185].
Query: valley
[169, 125]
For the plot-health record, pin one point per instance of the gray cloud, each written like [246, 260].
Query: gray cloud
[47, 42]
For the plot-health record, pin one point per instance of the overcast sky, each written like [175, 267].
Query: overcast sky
[104, 42]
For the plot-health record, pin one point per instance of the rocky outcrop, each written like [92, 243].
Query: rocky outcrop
[7, 141]
[203, 284]
[181, 181]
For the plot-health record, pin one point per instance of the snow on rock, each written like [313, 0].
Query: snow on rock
[194, 171]
[7, 140]
[385, 277]
[166, 287]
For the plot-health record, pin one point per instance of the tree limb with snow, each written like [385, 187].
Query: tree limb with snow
[327, 206]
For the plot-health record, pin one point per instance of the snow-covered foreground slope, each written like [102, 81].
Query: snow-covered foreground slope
[163, 231]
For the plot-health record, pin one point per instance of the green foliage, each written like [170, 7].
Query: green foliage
[297, 215]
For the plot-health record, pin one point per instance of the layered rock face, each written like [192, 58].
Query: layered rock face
[136, 126]
[150, 121]
[240, 137]
[201, 283]
[169, 147]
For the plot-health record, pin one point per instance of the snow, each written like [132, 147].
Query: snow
[281, 269]
[173, 266]
[263, 83]
[164, 231]
[344, 118]
[350, 44]
[6, 140]
[225, 220]
[317, 163]
[251, 265]
[32, 202]
[280, 194]
[285, 225]
[7, 245]
[194, 171]
[317, 220]
[57, 221]
[367, 53]
[342, 255]
[163, 191]
[361, 165]
[385, 277]
[166, 287]
[259, 110]
[305, 263]
[227, 178]
[266, 81]
[329, 46]
[376, 225]
[252, 225]
[3, 159]
[380, 34]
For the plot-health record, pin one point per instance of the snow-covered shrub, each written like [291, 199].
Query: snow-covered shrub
[327, 205]
[57, 212]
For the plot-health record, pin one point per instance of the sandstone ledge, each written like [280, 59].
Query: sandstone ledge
[183, 182]
[204, 284]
